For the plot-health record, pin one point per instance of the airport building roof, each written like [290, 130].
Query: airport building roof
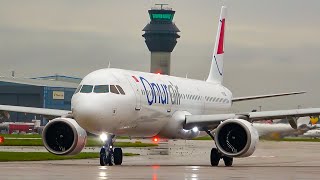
[37, 82]
[58, 77]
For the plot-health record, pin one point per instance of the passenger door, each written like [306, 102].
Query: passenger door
[135, 86]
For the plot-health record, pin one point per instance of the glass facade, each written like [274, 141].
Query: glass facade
[157, 16]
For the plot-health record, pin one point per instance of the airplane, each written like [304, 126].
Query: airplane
[116, 102]
[278, 129]
[314, 133]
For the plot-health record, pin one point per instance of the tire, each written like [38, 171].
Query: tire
[103, 158]
[215, 157]
[118, 156]
[110, 158]
[228, 161]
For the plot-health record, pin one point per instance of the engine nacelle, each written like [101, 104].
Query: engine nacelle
[63, 136]
[236, 138]
[174, 128]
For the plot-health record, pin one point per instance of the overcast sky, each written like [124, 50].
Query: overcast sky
[271, 46]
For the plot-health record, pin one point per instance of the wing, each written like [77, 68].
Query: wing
[33, 110]
[265, 96]
[212, 121]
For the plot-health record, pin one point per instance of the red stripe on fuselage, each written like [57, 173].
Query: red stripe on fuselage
[135, 78]
[221, 38]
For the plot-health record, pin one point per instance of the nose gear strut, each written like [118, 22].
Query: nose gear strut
[109, 155]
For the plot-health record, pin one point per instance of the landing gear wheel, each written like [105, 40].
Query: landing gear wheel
[109, 159]
[215, 157]
[103, 157]
[117, 155]
[107, 155]
[227, 161]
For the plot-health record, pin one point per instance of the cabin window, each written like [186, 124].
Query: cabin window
[86, 89]
[113, 89]
[101, 89]
[121, 90]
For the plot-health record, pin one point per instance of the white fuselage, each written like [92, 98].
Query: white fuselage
[149, 102]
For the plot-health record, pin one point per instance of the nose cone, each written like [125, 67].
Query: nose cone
[92, 113]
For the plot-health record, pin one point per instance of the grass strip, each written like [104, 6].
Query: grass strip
[90, 143]
[296, 140]
[203, 138]
[21, 135]
[44, 156]
[288, 139]
[39, 136]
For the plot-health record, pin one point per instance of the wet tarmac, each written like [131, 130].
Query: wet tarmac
[186, 160]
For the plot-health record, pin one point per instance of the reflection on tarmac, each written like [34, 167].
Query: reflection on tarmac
[272, 160]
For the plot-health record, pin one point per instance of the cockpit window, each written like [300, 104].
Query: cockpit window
[113, 89]
[86, 89]
[78, 89]
[120, 90]
[101, 89]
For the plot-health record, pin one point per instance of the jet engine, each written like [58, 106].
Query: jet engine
[174, 128]
[63, 136]
[236, 138]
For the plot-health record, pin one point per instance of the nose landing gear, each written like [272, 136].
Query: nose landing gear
[110, 156]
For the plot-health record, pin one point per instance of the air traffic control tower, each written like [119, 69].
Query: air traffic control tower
[161, 36]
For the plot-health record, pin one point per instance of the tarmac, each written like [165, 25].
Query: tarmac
[185, 160]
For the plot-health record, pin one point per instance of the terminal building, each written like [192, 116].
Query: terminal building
[40, 93]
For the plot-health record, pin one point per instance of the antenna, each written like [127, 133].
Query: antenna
[161, 5]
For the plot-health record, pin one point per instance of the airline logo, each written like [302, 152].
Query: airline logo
[314, 120]
[220, 48]
[160, 93]
[221, 37]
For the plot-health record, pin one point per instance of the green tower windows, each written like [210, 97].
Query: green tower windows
[161, 17]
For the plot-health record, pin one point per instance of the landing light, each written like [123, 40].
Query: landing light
[195, 129]
[103, 137]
